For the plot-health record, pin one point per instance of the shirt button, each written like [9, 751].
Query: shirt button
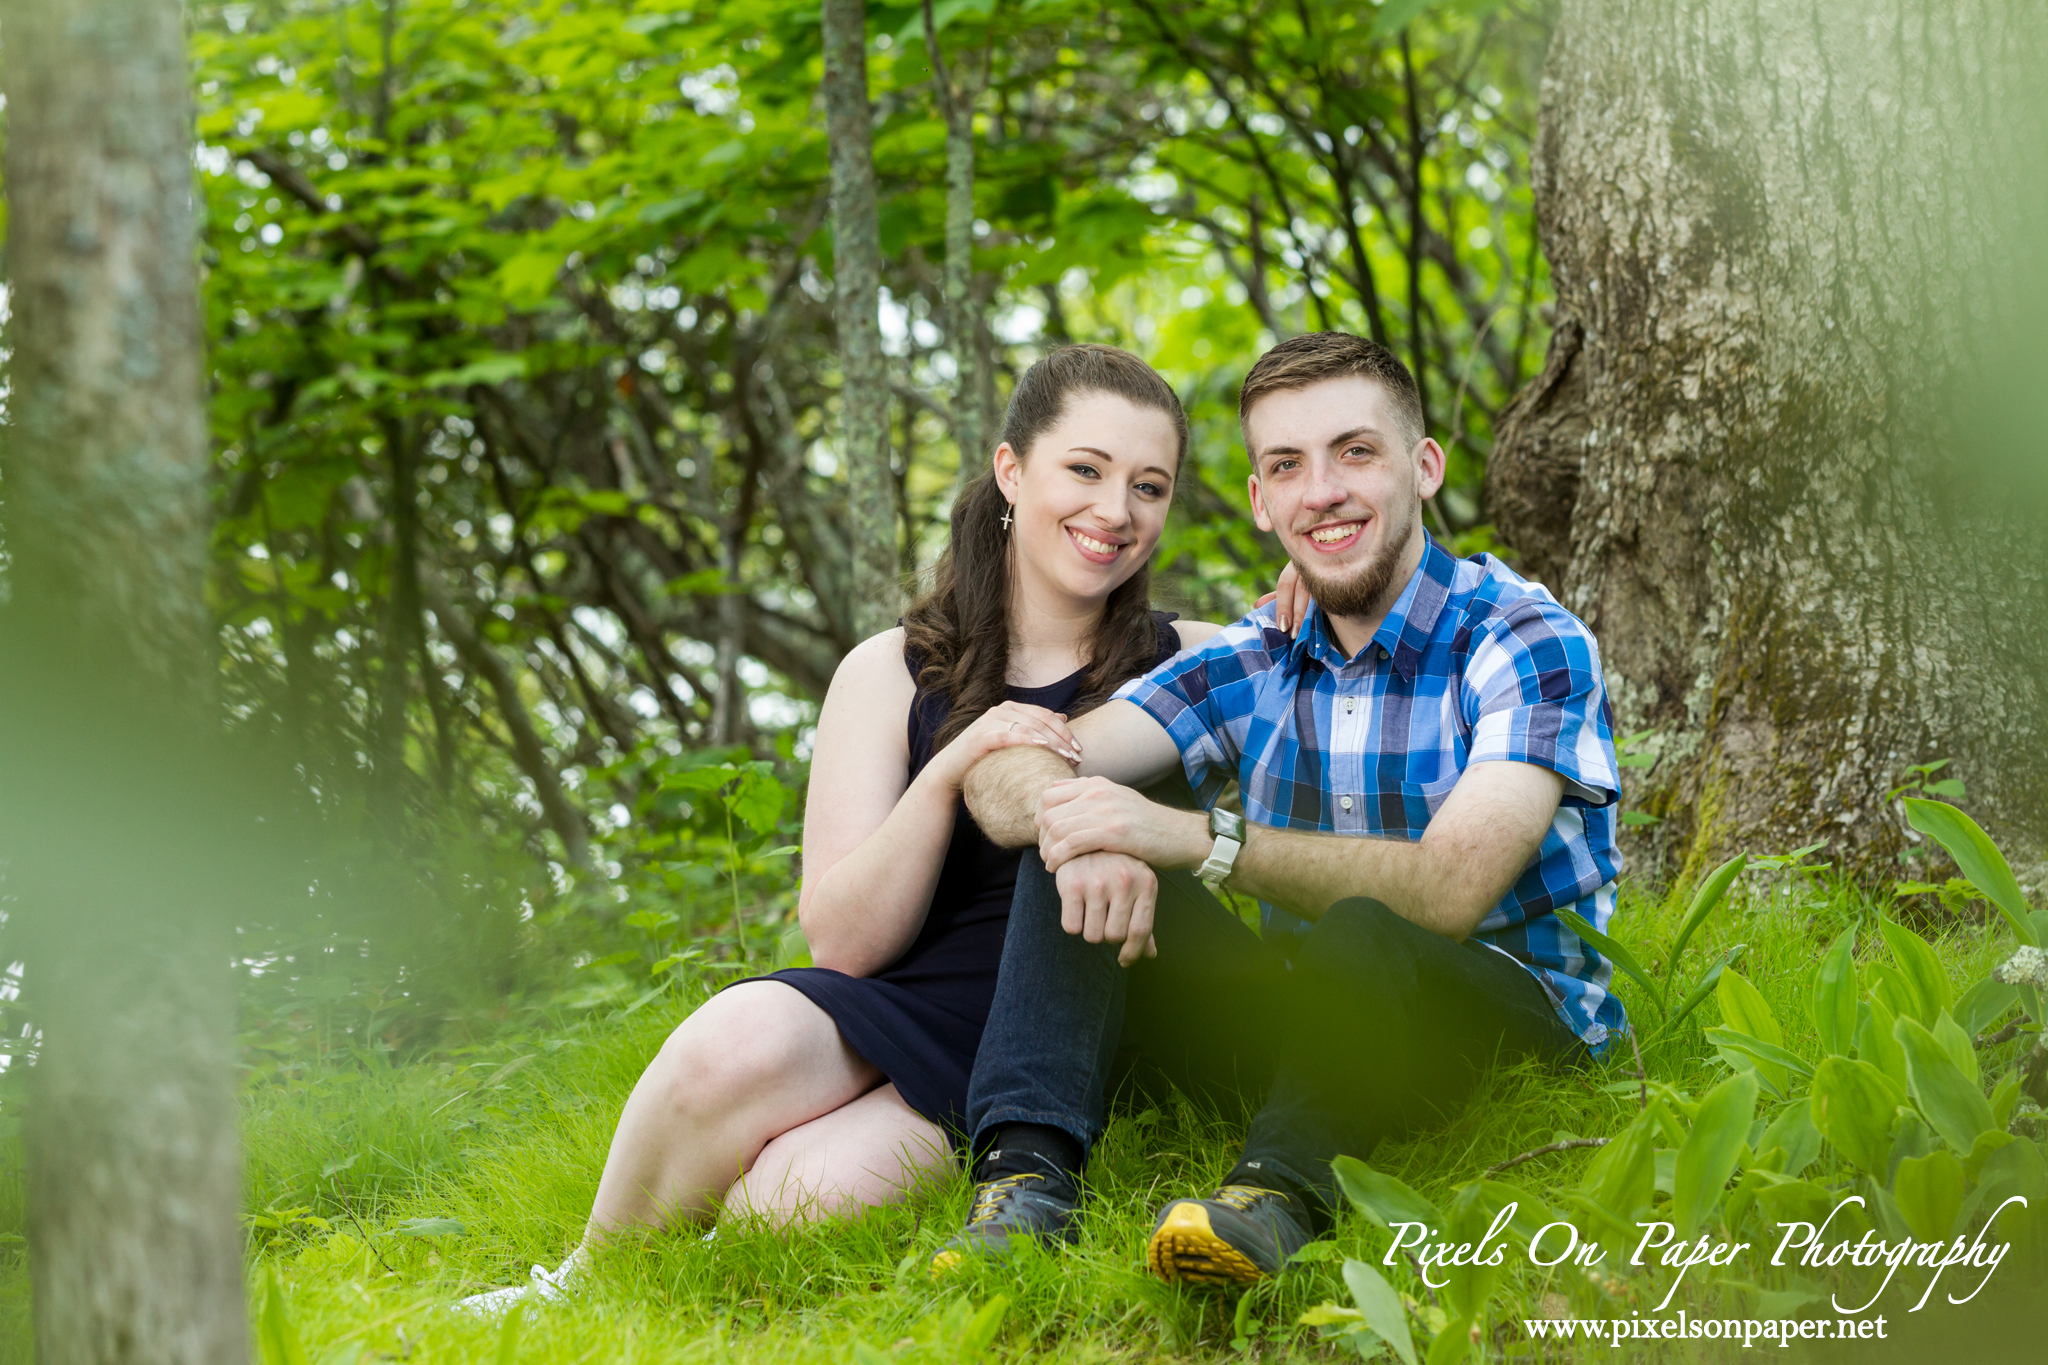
[1350, 705]
[1345, 803]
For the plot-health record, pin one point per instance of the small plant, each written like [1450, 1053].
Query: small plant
[1709, 895]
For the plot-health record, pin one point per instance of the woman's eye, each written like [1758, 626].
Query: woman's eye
[1151, 490]
[1086, 471]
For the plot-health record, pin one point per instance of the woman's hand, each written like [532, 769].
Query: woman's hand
[1293, 597]
[1000, 727]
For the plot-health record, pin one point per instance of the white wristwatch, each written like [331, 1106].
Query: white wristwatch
[1228, 827]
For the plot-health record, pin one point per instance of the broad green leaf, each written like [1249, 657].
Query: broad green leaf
[1854, 1105]
[1704, 900]
[1622, 1176]
[1876, 1044]
[1710, 1152]
[1952, 1102]
[1452, 1344]
[1983, 1149]
[1776, 1062]
[757, 800]
[1613, 952]
[1961, 1050]
[1834, 996]
[274, 1331]
[981, 1329]
[2004, 1097]
[1380, 1197]
[508, 1335]
[1381, 1308]
[1745, 1010]
[1929, 1192]
[1792, 1131]
[431, 1227]
[1922, 971]
[1979, 859]
[1984, 1004]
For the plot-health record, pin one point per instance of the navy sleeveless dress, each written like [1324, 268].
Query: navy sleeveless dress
[919, 1020]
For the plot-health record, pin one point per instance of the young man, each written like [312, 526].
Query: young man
[1426, 772]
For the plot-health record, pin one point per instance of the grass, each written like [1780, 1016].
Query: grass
[509, 1143]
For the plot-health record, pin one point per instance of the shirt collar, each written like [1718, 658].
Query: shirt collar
[1406, 632]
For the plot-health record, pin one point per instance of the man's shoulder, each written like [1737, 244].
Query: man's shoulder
[1491, 599]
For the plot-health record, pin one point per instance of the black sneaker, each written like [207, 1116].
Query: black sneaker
[1238, 1235]
[1034, 1205]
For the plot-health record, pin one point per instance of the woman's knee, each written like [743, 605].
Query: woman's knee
[734, 1047]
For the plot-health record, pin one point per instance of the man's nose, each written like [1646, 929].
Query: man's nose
[1324, 489]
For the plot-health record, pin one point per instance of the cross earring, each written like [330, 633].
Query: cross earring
[1006, 518]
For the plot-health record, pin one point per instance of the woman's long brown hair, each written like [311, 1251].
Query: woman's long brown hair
[960, 629]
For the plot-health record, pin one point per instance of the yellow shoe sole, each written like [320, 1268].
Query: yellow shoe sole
[1186, 1248]
[945, 1263]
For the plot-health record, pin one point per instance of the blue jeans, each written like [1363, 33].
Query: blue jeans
[1370, 1027]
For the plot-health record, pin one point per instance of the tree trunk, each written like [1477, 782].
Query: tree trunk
[105, 709]
[963, 317]
[857, 273]
[1785, 237]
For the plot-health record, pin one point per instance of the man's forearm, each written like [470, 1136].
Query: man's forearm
[1002, 792]
[1308, 873]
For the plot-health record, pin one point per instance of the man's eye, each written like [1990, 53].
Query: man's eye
[1360, 451]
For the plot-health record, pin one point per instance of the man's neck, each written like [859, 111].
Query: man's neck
[1353, 633]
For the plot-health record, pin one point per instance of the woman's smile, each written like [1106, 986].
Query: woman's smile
[1096, 548]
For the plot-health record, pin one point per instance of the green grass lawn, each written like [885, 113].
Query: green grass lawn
[512, 1154]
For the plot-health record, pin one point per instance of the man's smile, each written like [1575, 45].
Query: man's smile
[1336, 536]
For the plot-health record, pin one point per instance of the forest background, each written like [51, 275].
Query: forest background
[541, 510]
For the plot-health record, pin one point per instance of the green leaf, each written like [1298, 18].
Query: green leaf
[1957, 1044]
[1875, 1043]
[1396, 15]
[981, 1329]
[1978, 857]
[1745, 1010]
[1854, 1105]
[2004, 1096]
[1834, 996]
[1639, 817]
[1380, 1197]
[1921, 970]
[1710, 1152]
[274, 1331]
[1793, 1133]
[1929, 1192]
[757, 800]
[1710, 894]
[1452, 1344]
[1984, 1004]
[508, 1335]
[1622, 1176]
[1702, 990]
[529, 277]
[431, 1227]
[1952, 1102]
[1613, 952]
[1381, 1308]
[1777, 1063]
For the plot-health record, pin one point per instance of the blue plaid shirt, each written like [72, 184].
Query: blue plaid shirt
[1473, 664]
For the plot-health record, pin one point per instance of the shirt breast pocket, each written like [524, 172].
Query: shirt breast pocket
[1420, 801]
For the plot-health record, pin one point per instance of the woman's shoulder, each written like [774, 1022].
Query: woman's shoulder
[1193, 633]
[877, 665]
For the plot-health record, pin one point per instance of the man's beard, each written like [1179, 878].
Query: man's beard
[1359, 595]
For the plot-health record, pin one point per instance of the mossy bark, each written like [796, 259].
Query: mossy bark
[857, 273]
[1789, 241]
[106, 702]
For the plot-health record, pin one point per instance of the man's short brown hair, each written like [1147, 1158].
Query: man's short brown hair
[1313, 357]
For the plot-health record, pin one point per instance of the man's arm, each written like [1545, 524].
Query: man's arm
[1482, 839]
[1119, 741]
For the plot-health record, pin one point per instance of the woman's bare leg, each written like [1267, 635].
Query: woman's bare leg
[753, 1062]
[871, 1151]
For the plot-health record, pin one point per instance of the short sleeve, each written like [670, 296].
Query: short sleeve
[1203, 699]
[1533, 693]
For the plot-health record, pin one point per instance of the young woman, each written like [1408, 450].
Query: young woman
[820, 1089]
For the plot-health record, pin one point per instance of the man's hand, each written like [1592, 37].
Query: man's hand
[1108, 898]
[1094, 815]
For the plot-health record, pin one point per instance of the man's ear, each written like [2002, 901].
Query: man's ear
[1009, 471]
[1264, 522]
[1429, 467]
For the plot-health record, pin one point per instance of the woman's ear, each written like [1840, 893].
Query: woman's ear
[1009, 472]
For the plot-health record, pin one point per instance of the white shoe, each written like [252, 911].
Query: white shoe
[543, 1286]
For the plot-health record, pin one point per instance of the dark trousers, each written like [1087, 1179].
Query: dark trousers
[1371, 1027]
